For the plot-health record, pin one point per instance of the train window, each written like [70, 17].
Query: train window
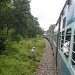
[68, 35]
[73, 53]
[66, 48]
[59, 39]
[73, 58]
[73, 46]
[74, 38]
[62, 40]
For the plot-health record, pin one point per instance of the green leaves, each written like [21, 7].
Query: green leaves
[15, 59]
[16, 15]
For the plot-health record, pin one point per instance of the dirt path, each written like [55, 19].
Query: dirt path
[47, 65]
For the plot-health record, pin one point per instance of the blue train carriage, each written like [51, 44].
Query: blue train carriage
[47, 36]
[55, 36]
[51, 38]
[66, 62]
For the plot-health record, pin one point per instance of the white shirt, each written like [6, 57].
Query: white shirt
[66, 47]
[33, 52]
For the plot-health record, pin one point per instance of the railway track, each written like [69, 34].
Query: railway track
[47, 65]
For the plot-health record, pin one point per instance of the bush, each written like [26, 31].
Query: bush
[15, 59]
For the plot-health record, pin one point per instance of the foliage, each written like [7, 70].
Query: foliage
[15, 59]
[16, 15]
[50, 28]
[17, 25]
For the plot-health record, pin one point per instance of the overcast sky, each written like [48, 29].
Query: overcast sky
[47, 11]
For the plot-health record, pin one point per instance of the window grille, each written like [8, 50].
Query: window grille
[59, 41]
[62, 39]
[73, 52]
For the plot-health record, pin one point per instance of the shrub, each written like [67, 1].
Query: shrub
[15, 59]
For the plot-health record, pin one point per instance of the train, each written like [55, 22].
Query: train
[60, 33]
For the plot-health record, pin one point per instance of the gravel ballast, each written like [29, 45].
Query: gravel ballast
[47, 65]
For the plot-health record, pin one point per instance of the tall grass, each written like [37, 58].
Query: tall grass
[15, 59]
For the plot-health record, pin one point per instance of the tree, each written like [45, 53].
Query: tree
[16, 15]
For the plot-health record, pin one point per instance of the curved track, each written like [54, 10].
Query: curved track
[47, 65]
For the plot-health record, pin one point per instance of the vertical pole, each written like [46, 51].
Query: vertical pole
[59, 21]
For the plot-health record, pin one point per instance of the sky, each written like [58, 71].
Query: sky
[47, 11]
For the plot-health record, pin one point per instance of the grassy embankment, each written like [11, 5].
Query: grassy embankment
[15, 59]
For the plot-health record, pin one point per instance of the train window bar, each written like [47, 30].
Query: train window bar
[68, 35]
[73, 53]
[60, 40]
[73, 56]
[73, 62]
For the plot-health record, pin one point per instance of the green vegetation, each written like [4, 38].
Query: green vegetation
[16, 15]
[19, 32]
[15, 60]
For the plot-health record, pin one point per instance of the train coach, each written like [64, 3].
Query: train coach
[61, 33]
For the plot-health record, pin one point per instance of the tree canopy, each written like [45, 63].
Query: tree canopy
[15, 15]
